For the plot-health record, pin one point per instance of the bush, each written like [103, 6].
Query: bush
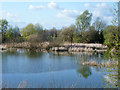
[110, 36]
[90, 36]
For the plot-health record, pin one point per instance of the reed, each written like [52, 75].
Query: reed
[103, 64]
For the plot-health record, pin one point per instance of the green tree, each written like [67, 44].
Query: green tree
[13, 35]
[112, 33]
[116, 20]
[89, 36]
[53, 32]
[83, 21]
[110, 36]
[116, 13]
[66, 33]
[92, 35]
[28, 30]
[8, 34]
[38, 27]
[40, 36]
[3, 28]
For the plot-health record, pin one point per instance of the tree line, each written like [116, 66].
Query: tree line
[83, 31]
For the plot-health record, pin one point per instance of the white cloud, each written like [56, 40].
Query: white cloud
[98, 10]
[101, 9]
[36, 7]
[68, 13]
[101, 5]
[86, 5]
[64, 13]
[53, 5]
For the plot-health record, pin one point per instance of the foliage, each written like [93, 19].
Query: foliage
[13, 35]
[3, 28]
[112, 37]
[113, 41]
[3, 25]
[52, 34]
[38, 27]
[28, 30]
[89, 36]
[66, 34]
[83, 21]
[40, 36]
[116, 15]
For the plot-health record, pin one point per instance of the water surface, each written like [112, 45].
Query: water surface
[22, 68]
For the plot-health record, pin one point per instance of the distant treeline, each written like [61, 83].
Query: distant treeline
[83, 31]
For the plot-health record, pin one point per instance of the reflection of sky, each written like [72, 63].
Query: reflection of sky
[31, 61]
[52, 14]
[62, 79]
[41, 70]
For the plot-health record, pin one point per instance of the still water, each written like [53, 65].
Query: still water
[31, 69]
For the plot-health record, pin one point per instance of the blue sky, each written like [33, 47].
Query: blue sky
[52, 14]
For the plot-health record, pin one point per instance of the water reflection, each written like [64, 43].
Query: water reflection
[33, 54]
[61, 66]
[85, 71]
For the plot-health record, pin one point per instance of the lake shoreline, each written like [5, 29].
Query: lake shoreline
[74, 47]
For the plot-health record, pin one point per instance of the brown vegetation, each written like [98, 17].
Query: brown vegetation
[104, 64]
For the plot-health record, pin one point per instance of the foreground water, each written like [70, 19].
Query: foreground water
[30, 69]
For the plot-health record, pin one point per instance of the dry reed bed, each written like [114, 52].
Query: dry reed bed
[80, 47]
[76, 47]
[87, 45]
[26, 45]
[104, 64]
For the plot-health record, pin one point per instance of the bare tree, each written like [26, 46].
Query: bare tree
[99, 24]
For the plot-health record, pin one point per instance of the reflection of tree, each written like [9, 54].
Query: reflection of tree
[33, 54]
[63, 53]
[29, 53]
[85, 71]
[59, 55]
[11, 52]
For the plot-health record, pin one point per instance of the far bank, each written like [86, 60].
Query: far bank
[72, 47]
